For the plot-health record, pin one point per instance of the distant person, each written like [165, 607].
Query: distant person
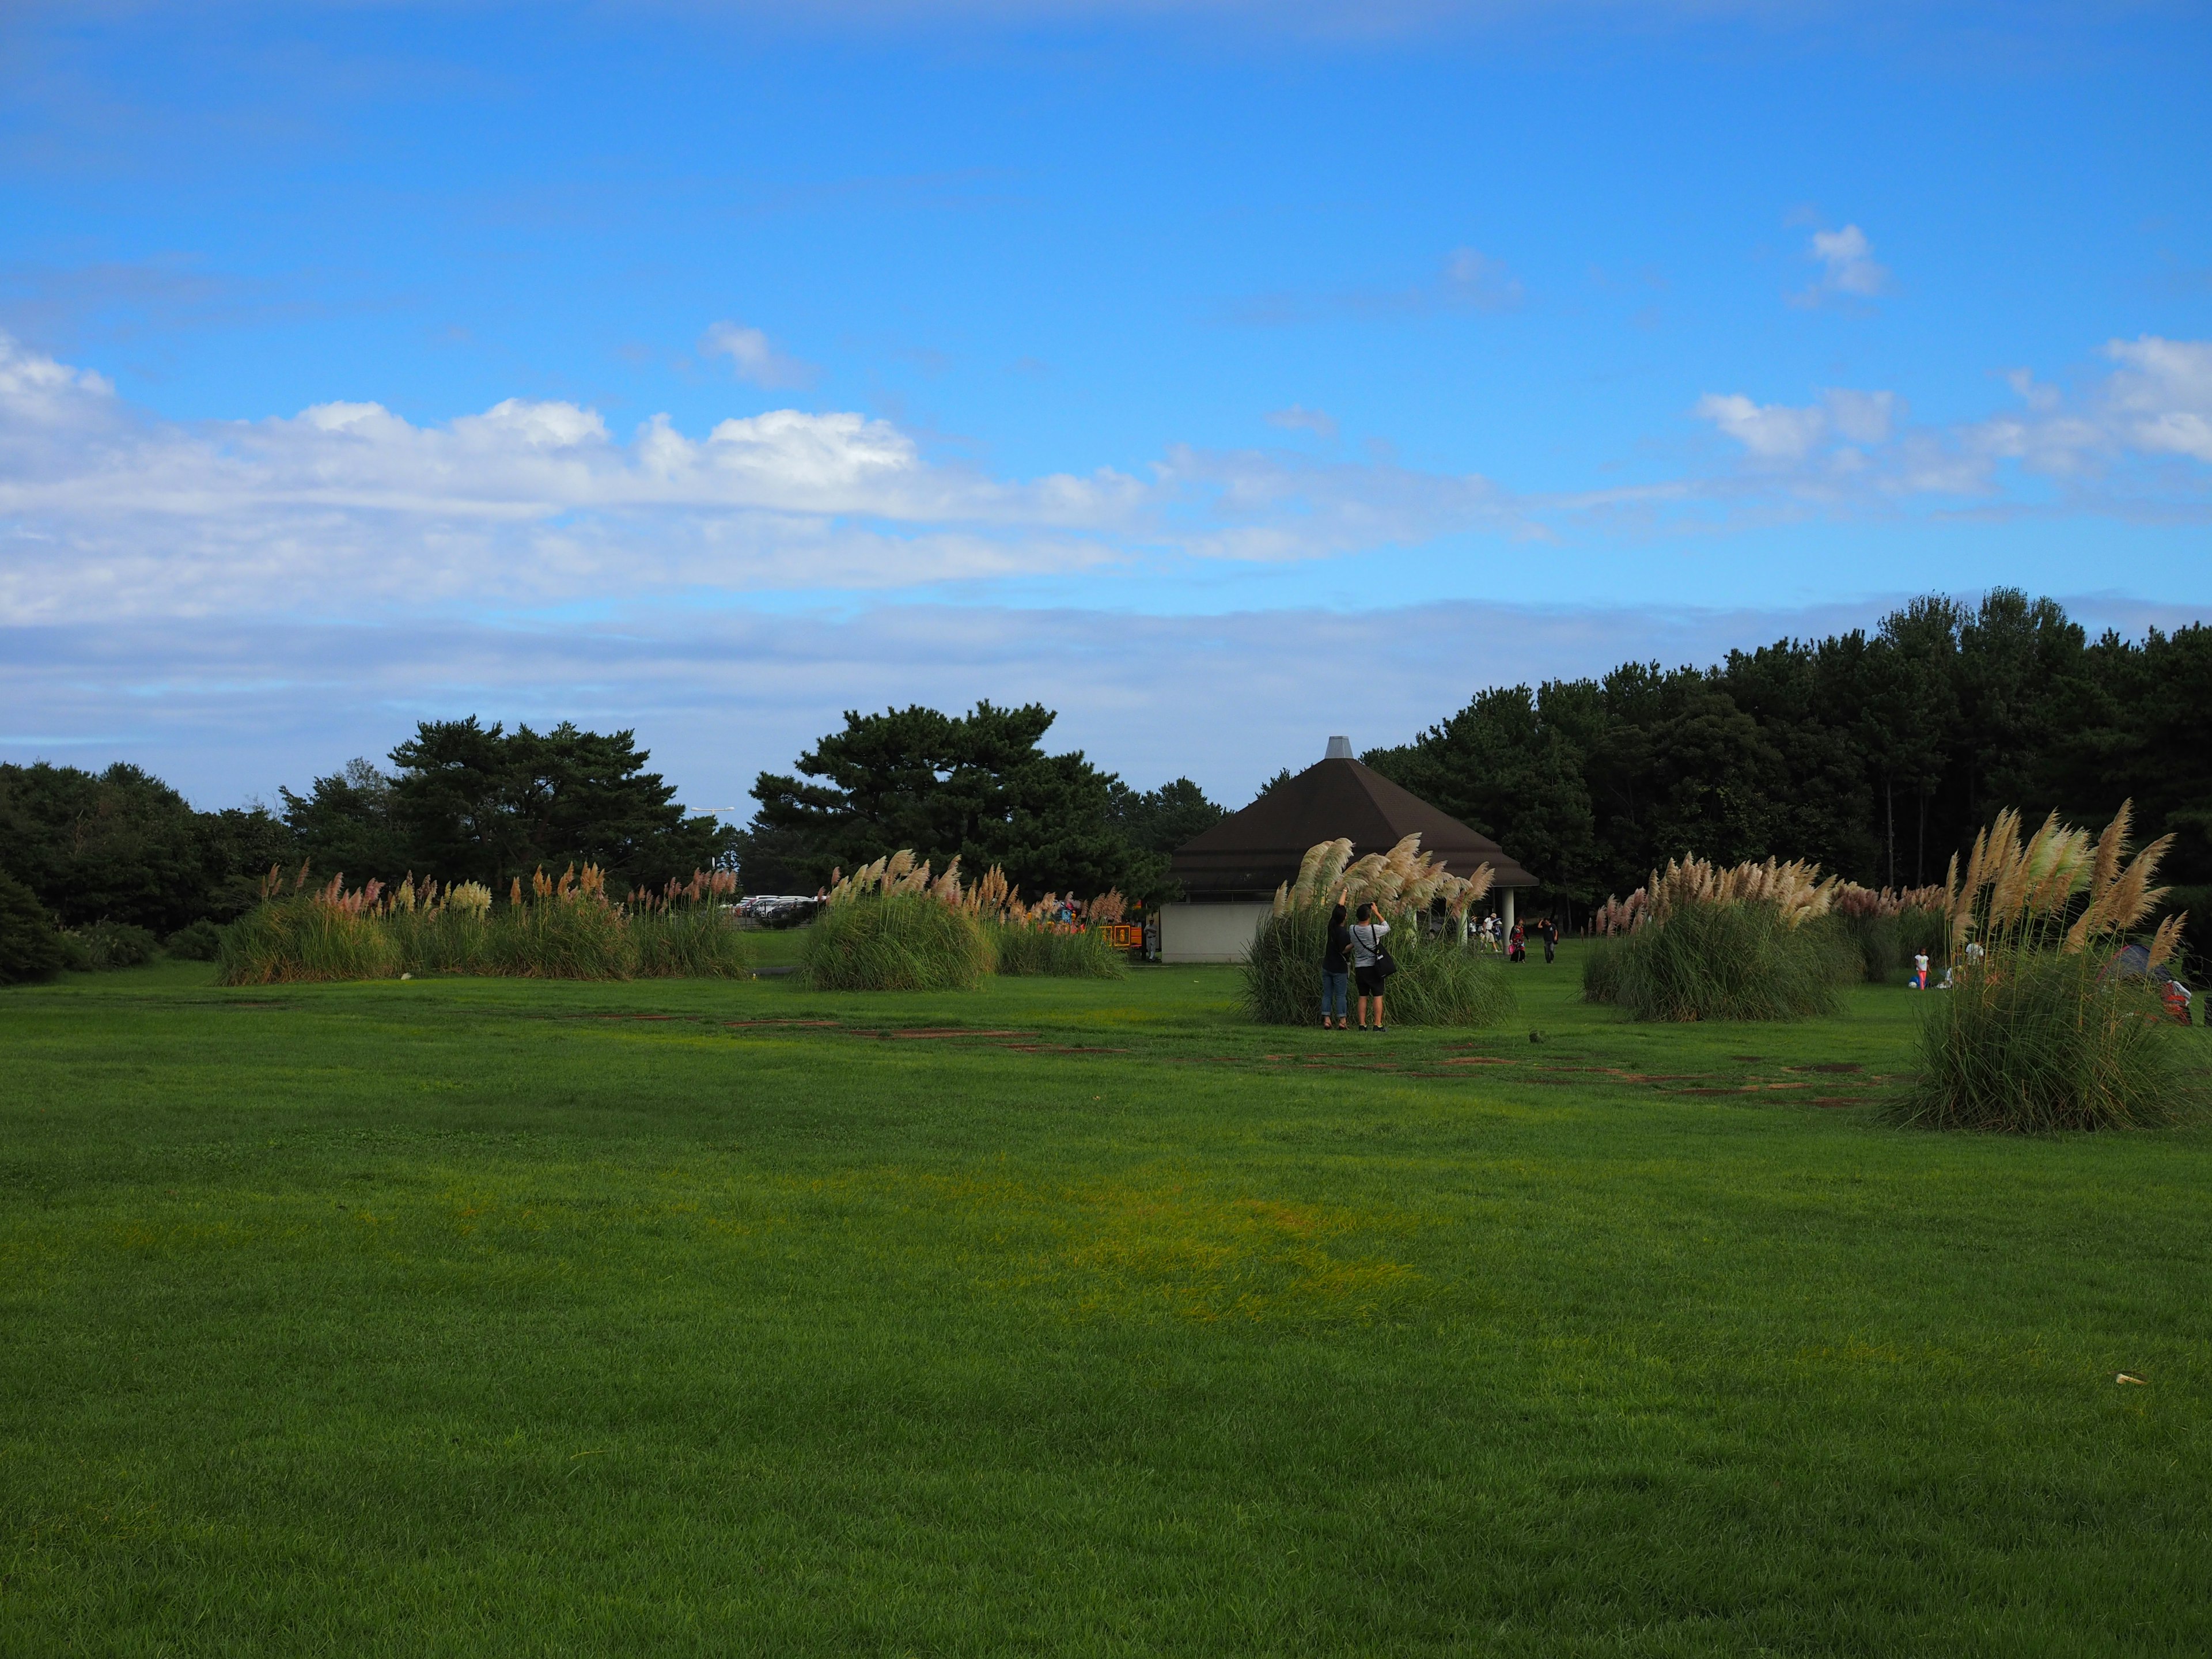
[1551, 933]
[1519, 953]
[1367, 936]
[1920, 971]
[1336, 968]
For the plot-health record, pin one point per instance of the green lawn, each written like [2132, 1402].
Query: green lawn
[480, 1317]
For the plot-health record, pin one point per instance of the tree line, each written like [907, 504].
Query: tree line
[1876, 752]
[460, 800]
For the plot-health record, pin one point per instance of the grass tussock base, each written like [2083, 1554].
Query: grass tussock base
[1732, 960]
[896, 941]
[2045, 1026]
[2050, 1044]
[1059, 952]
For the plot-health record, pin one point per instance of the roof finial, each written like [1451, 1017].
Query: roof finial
[1339, 749]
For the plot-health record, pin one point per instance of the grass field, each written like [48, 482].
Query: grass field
[478, 1317]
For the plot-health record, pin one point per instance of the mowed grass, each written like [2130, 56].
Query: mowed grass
[481, 1317]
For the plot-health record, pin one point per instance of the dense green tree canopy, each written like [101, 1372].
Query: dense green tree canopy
[122, 846]
[978, 786]
[470, 802]
[1878, 754]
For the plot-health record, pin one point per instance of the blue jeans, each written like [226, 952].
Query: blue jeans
[1332, 987]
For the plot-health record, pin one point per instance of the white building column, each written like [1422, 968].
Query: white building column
[1509, 909]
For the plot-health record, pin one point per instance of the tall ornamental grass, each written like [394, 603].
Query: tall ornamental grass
[2040, 1030]
[1749, 942]
[1034, 948]
[1890, 926]
[893, 926]
[568, 928]
[896, 941]
[1439, 982]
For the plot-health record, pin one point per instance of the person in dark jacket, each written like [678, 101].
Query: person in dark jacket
[1551, 933]
[1336, 967]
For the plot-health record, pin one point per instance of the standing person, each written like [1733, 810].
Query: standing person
[1920, 971]
[1367, 936]
[1335, 967]
[1520, 951]
[1549, 930]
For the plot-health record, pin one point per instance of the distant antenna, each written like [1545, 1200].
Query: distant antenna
[1339, 749]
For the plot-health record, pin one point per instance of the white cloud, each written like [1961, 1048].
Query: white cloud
[753, 358]
[1299, 418]
[2161, 395]
[346, 507]
[1768, 431]
[1849, 270]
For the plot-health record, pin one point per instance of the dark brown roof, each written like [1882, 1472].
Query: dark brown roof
[1256, 850]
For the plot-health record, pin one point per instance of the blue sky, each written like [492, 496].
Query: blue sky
[1226, 376]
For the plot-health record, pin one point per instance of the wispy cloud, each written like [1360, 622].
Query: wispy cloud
[2115, 446]
[1299, 418]
[1466, 280]
[754, 359]
[109, 510]
[1849, 270]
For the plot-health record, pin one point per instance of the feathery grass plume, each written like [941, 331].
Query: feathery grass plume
[567, 928]
[1439, 982]
[307, 935]
[1017, 937]
[1703, 941]
[688, 929]
[2045, 1027]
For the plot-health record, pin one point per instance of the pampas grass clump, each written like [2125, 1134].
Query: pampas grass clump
[896, 941]
[2040, 1030]
[1438, 982]
[1028, 948]
[897, 944]
[1754, 941]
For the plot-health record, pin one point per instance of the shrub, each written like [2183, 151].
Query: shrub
[2042, 1029]
[1438, 982]
[197, 942]
[896, 941]
[1022, 948]
[30, 946]
[109, 944]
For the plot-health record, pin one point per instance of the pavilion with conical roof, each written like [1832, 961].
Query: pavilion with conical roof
[1230, 874]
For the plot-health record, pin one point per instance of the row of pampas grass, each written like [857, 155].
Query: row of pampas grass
[1439, 982]
[568, 928]
[893, 925]
[2040, 1030]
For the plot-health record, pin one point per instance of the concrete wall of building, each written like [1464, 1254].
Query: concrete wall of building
[1210, 933]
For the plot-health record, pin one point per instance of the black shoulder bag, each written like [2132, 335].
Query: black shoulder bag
[1385, 964]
